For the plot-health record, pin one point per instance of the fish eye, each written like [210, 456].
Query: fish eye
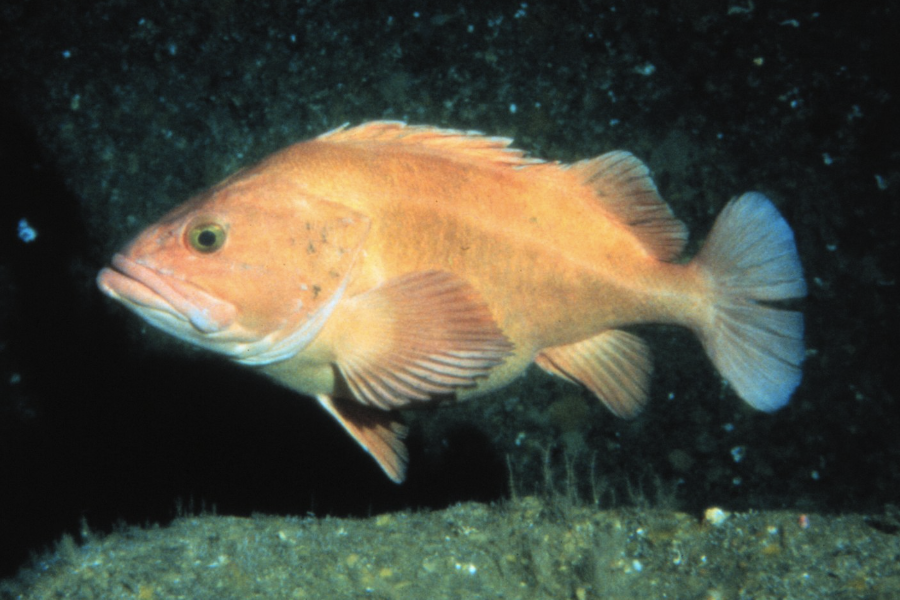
[206, 237]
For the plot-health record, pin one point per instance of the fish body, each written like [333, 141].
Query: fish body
[384, 266]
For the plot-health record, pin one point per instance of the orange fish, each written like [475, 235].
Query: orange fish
[384, 266]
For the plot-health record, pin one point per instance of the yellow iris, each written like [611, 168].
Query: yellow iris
[206, 237]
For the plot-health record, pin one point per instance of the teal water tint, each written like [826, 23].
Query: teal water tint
[116, 111]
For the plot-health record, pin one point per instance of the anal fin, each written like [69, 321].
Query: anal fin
[377, 431]
[614, 365]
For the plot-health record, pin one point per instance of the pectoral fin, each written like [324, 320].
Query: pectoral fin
[415, 337]
[377, 431]
[614, 365]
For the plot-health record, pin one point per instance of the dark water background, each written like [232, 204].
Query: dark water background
[112, 112]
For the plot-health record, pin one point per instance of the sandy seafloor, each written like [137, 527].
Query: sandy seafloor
[525, 549]
[113, 112]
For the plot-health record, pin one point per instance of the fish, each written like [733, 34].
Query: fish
[386, 266]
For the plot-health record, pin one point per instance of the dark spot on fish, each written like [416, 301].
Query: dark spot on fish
[316, 289]
[311, 248]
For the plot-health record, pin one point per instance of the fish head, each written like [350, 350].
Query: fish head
[252, 268]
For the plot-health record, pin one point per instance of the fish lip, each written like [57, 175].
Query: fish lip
[143, 288]
[129, 290]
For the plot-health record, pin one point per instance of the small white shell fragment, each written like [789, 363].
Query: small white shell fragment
[715, 516]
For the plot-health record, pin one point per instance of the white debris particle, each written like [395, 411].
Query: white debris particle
[737, 10]
[470, 568]
[220, 561]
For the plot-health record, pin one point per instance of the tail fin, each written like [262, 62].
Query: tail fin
[750, 256]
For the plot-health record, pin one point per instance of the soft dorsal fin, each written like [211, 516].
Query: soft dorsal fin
[627, 193]
[472, 146]
[614, 365]
[415, 337]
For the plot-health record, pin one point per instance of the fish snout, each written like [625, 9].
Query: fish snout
[105, 281]
[147, 290]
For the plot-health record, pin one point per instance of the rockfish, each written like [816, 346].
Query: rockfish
[384, 266]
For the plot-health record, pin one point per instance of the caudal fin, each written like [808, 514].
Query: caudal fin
[750, 257]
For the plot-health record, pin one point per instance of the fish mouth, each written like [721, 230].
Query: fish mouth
[165, 301]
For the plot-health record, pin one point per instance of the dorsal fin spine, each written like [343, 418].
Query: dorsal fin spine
[471, 145]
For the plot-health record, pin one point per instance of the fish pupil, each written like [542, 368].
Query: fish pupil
[206, 238]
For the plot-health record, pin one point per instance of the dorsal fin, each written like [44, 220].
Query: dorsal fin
[627, 193]
[623, 185]
[471, 146]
